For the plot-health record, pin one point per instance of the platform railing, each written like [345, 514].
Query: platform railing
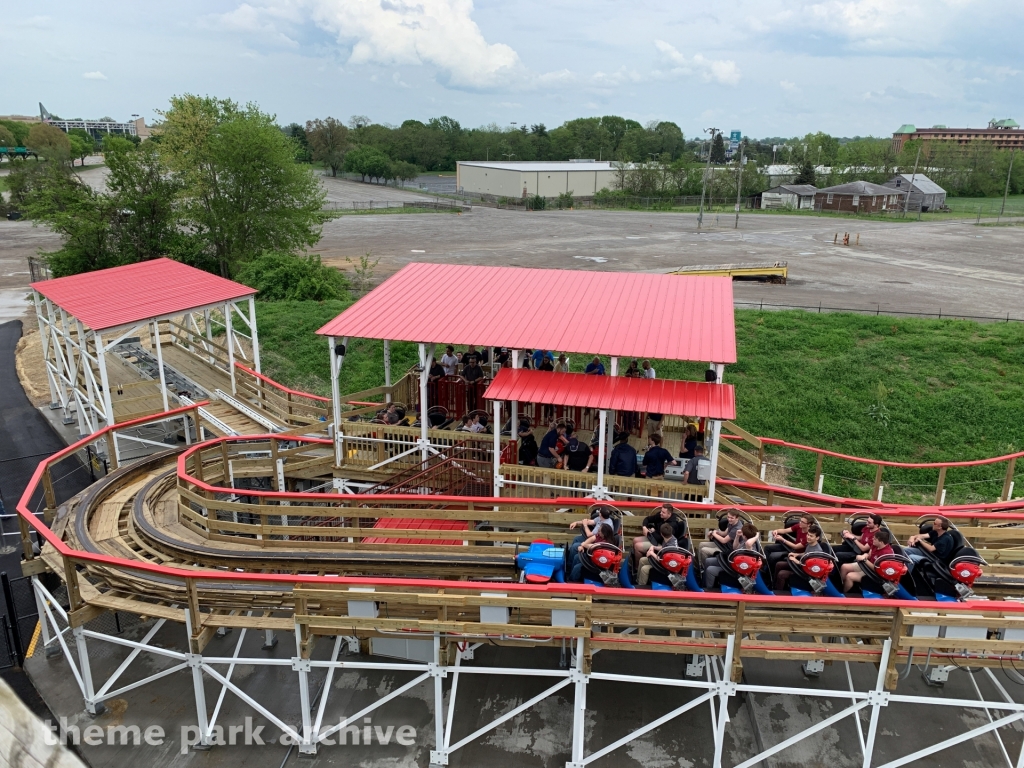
[523, 481]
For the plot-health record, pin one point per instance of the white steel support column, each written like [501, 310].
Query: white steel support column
[44, 626]
[579, 712]
[307, 746]
[254, 335]
[437, 671]
[101, 359]
[44, 340]
[209, 334]
[602, 452]
[726, 689]
[425, 363]
[387, 371]
[91, 705]
[72, 369]
[90, 389]
[337, 353]
[155, 325]
[497, 448]
[878, 697]
[229, 332]
[609, 432]
[513, 424]
[716, 433]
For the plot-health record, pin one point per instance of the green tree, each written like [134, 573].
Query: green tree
[285, 277]
[18, 129]
[718, 149]
[80, 148]
[6, 137]
[355, 161]
[404, 171]
[328, 142]
[46, 138]
[806, 173]
[242, 192]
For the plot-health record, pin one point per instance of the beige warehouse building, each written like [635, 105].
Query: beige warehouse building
[518, 179]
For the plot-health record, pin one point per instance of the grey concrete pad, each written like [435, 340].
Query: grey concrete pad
[537, 738]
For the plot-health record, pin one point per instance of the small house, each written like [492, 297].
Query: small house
[858, 197]
[792, 196]
[925, 194]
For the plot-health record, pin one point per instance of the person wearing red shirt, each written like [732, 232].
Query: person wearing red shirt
[782, 547]
[857, 545]
[880, 545]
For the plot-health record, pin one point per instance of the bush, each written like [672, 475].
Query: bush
[282, 277]
[536, 203]
[565, 200]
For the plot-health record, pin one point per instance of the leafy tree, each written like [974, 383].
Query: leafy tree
[355, 161]
[80, 148]
[404, 171]
[367, 161]
[806, 174]
[6, 137]
[46, 138]
[18, 129]
[328, 142]
[718, 149]
[242, 192]
[297, 133]
[284, 277]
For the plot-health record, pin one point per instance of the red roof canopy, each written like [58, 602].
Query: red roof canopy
[678, 398]
[625, 314]
[108, 298]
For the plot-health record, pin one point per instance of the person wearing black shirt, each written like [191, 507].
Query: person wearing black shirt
[651, 528]
[548, 455]
[434, 375]
[578, 455]
[689, 442]
[938, 541]
[546, 365]
[622, 461]
[656, 458]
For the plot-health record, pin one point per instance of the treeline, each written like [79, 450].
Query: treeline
[218, 189]
[668, 163]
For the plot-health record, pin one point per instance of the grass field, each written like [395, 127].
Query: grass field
[903, 390]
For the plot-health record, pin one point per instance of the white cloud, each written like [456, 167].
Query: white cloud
[723, 71]
[260, 22]
[441, 33]
[788, 85]
[97, 75]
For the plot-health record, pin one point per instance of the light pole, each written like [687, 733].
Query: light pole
[1006, 191]
[739, 184]
[707, 170]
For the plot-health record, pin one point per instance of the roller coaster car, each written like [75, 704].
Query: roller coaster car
[671, 567]
[885, 577]
[743, 573]
[952, 581]
[723, 524]
[602, 564]
[543, 562]
[812, 573]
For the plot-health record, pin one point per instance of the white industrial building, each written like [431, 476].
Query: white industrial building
[794, 196]
[546, 178]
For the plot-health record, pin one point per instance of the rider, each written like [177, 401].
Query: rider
[858, 545]
[601, 535]
[782, 547]
[746, 538]
[880, 545]
[938, 541]
[668, 539]
[720, 540]
[786, 569]
[651, 527]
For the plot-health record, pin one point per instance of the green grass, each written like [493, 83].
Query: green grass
[954, 390]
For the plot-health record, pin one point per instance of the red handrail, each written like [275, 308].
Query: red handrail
[282, 387]
[902, 464]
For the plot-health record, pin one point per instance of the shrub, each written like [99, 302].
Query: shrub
[536, 203]
[282, 277]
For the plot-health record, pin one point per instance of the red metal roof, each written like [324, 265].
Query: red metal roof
[625, 314]
[108, 298]
[678, 398]
[420, 524]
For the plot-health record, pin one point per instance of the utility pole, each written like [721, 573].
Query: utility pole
[707, 170]
[913, 176]
[739, 184]
[1007, 190]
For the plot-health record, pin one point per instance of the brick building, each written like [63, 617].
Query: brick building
[858, 197]
[1005, 134]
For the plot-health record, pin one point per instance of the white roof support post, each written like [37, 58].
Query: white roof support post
[160, 364]
[425, 362]
[602, 452]
[70, 367]
[608, 433]
[254, 335]
[513, 421]
[231, 346]
[716, 436]
[44, 339]
[59, 365]
[337, 352]
[209, 335]
[90, 388]
[101, 360]
[497, 448]
[387, 371]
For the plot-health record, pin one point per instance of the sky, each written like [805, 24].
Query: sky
[765, 67]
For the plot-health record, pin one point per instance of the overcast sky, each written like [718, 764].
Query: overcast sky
[766, 67]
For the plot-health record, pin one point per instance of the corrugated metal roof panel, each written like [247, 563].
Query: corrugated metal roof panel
[624, 314]
[678, 398]
[108, 298]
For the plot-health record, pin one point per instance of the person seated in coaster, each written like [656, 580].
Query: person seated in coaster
[651, 527]
[464, 425]
[602, 534]
[746, 538]
[719, 540]
[938, 542]
[880, 545]
[786, 568]
[778, 551]
[857, 545]
[668, 539]
[656, 458]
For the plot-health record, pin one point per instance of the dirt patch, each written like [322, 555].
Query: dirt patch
[28, 356]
